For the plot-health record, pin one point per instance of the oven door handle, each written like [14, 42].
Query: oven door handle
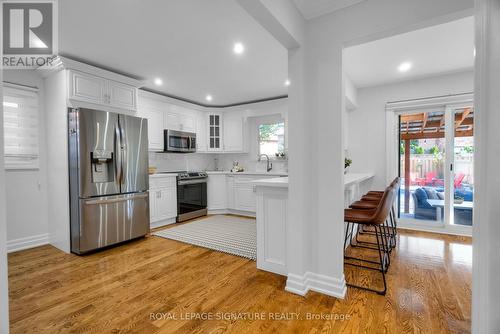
[196, 181]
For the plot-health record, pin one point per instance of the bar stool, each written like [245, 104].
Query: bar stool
[374, 218]
[370, 201]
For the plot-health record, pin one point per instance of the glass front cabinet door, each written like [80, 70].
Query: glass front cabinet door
[214, 132]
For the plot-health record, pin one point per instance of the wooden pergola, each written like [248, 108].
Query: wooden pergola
[430, 125]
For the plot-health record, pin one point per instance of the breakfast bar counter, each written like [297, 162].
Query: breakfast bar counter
[272, 211]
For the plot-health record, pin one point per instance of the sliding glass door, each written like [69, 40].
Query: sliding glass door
[436, 166]
[422, 160]
[462, 171]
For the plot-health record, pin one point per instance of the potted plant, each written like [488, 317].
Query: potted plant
[347, 163]
[280, 155]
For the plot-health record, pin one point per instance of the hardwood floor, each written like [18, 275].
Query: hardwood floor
[155, 285]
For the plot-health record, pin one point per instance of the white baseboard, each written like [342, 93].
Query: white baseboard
[217, 211]
[27, 242]
[231, 212]
[161, 223]
[327, 285]
[465, 231]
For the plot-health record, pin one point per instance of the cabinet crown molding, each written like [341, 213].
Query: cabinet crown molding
[60, 63]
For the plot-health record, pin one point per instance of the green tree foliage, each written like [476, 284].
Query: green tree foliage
[266, 131]
[468, 149]
[434, 150]
[419, 150]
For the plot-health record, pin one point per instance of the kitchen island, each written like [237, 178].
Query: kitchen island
[272, 211]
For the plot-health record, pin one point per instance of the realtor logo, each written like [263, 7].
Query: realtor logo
[28, 33]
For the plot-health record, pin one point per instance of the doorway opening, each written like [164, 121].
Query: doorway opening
[436, 164]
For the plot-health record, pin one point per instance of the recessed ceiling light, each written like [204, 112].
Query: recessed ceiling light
[405, 67]
[238, 48]
[208, 97]
[287, 82]
[11, 104]
[158, 82]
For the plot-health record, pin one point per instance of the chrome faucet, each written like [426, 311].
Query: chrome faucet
[269, 165]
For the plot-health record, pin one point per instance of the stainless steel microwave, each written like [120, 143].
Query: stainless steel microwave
[179, 141]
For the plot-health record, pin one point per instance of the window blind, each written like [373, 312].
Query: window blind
[20, 115]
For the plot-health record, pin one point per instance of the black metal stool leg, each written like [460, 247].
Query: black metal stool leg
[381, 263]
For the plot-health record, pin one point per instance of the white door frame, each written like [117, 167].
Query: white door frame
[447, 104]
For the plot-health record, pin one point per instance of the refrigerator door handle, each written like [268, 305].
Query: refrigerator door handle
[123, 152]
[115, 200]
[118, 156]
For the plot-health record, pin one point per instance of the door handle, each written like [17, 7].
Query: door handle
[118, 156]
[123, 151]
[115, 200]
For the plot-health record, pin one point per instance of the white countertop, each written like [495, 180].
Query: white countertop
[282, 182]
[275, 182]
[226, 172]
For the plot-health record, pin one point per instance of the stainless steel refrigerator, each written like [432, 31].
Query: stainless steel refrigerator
[109, 182]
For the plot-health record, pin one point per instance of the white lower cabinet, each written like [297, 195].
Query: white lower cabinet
[244, 196]
[216, 192]
[162, 200]
[230, 193]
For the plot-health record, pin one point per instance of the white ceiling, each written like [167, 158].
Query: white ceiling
[435, 50]
[314, 8]
[186, 43]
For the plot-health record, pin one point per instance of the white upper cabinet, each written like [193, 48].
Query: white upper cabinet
[201, 133]
[225, 132]
[94, 89]
[150, 109]
[233, 133]
[188, 123]
[86, 87]
[180, 119]
[214, 132]
[155, 128]
[122, 95]
[172, 121]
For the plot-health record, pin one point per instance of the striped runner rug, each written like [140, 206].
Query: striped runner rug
[227, 234]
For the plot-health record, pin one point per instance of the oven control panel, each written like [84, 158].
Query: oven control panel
[192, 175]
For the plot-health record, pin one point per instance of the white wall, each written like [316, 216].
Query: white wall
[486, 229]
[316, 116]
[27, 221]
[324, 93]
[367, 124]
[4, 287]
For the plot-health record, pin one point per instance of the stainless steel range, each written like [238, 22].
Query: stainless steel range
[191, 195]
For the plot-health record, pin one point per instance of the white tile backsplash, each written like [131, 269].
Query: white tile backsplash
[250, 163]
[172, 162]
